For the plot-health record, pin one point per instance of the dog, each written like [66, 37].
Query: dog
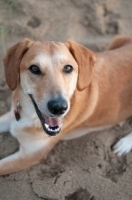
[64, 91]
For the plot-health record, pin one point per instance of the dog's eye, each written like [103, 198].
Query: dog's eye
[34, 69]
[68, 69]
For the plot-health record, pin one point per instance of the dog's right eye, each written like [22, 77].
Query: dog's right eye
[34, 69]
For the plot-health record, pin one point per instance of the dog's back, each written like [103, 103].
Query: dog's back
[119, 41]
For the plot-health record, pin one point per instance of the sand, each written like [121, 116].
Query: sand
[85, 168]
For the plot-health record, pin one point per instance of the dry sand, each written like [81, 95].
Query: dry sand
[85, 168]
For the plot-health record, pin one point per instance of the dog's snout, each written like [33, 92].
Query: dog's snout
[58, 106]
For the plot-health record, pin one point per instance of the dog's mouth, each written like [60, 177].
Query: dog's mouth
[51, 125]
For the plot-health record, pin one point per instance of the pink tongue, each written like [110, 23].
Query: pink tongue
[52, 122]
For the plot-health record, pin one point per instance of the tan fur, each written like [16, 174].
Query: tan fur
[100, 92]
[119, 41]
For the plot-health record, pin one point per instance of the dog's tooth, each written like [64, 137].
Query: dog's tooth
[47, 126]
[57, 129]
[50, 129]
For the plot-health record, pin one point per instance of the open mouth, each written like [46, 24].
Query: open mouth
[51, 125]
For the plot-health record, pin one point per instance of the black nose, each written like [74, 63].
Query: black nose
[57, 106]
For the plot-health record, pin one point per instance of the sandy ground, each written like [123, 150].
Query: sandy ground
[85, 168]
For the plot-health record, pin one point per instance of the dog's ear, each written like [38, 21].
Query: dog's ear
[85, 60]
[12, 61]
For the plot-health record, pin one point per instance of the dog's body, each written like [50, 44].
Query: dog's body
[94, 91]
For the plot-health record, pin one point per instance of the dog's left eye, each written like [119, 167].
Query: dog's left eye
[34, 69]
[68, 69]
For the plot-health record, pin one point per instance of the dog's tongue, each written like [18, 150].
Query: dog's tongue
[52, 122]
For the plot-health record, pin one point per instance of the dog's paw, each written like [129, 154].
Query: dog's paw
[124, 145]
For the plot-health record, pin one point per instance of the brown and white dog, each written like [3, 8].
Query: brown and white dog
[64, 90]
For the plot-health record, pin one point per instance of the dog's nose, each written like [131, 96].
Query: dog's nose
[57, 107]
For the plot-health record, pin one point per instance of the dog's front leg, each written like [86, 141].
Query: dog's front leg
[5, 122]
[32, 153]
[18, 161]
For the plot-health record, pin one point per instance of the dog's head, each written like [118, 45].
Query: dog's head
[49, 72]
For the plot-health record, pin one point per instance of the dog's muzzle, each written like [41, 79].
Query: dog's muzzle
[52, 125]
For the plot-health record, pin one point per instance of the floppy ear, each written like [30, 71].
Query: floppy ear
[12, 61]
[85, 60]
